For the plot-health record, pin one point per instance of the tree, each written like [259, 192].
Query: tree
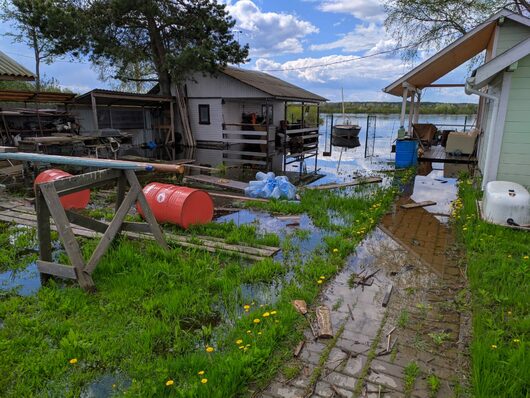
[434, 23]
[33, 20]
[174, 37]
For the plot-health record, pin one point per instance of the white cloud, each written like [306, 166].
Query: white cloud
[364, 37]
[335, 68]
[269, 33]
[362, 9]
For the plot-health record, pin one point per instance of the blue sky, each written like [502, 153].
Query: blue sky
[285, 36]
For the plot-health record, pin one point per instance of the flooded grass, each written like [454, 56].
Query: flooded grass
[184, 322]
[498, 267]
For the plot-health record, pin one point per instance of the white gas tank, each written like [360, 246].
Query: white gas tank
[505, 200]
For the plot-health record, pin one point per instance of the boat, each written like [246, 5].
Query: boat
[345, 135]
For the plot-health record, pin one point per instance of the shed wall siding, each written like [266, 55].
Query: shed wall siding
[494, 89]
[207, 132]
[220, 86]
[514, 164]
[510, 34]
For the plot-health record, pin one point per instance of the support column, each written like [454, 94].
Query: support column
[403, 107]
[94, 112]
[411, 112]
[417, 108]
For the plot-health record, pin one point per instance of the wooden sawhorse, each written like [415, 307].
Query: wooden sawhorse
[48, 204]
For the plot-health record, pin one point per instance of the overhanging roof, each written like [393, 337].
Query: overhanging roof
[12, 70]
[33, 96]
[120, 98]
[485, 73]
[454, 55]
[271, 85]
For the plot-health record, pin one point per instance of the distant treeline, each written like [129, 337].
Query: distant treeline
[431, 108]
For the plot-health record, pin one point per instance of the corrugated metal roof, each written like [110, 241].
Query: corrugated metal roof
[271, 85]
[111, 97]
[12, 70]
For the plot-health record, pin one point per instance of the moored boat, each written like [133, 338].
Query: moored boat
[346, 135]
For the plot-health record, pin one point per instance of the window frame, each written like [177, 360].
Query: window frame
[207, 107]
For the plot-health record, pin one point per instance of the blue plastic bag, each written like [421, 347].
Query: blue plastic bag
[267, 185]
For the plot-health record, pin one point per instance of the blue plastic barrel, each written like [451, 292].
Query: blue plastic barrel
[406, 153]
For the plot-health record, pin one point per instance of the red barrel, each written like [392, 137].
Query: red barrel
[77, 200]
[182, 206]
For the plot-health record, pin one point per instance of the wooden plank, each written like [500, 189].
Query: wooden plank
[221, 182]
[236, 197]
[5, 149]
[243, 161]
[87, 222]
[12, 170]
[325, 330]
[112, 230]
[84, 181]
[360, 181]
[388, 292]
[120, 191]
[148, 214]
[249, 153]
[243, 132]
[243, 141]
[67, 236]
[301, 131]
[418, 204]
[43, 232]
[60, 270]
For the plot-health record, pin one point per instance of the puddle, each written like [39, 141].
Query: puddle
[109, 385]
[25, 281]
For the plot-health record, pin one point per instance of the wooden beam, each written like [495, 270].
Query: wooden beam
[94, 112]
[418, 204]
[59, 270]
[80, 182]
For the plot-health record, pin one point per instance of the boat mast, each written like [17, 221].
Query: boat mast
[343, 111]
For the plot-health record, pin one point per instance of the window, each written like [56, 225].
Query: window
[204, 114]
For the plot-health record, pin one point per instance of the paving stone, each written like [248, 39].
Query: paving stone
[392, 382]
[354, 366]
[311, 357]
[323, 389]
[302, 380]
[336, 357]
[387, 368]
[281, 391]
[366, 326]
[341, 380]
[372, 391]
[351, 346]
[356, 337]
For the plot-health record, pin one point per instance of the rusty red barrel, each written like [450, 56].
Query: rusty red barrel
[76, 200]
[178, 205]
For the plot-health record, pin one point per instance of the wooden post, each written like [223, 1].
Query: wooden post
[417, 108]
[403, 107]
[411, 111]
[94, 112]
[43, 231]
[172, 118]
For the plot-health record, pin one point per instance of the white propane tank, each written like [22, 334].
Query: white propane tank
[504, 200]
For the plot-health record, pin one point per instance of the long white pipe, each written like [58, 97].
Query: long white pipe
[469, 90]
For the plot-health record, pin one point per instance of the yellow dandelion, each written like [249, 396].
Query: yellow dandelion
[256, 320]
[509, 312]
[319, 281]
[516, 340]
[204, 381]
[248, 345]
[266, 314]
[249, 331]
[241, 347]
[335, 250]
[259, 333]
[114, 386]
[322, 277]
[493, 346]
[73, 361]
[169, 383]
[239, 341]
[210, 349]
[509, 256]
[525, 257]
[273, 312]
[200, 372]
[276, 321]
[465, 229]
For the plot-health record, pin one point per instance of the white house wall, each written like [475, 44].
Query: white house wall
[221, 86]
[493, 89]
[212, 132]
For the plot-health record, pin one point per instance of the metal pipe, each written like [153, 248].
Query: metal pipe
[90, 162]
[470, 90]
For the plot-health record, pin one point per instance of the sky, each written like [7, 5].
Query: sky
[288, 39]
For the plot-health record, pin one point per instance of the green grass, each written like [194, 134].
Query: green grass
[433, 382]
[18, 247]
[155, 312]
[410, 374]
[498, 269]
[403, 319]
